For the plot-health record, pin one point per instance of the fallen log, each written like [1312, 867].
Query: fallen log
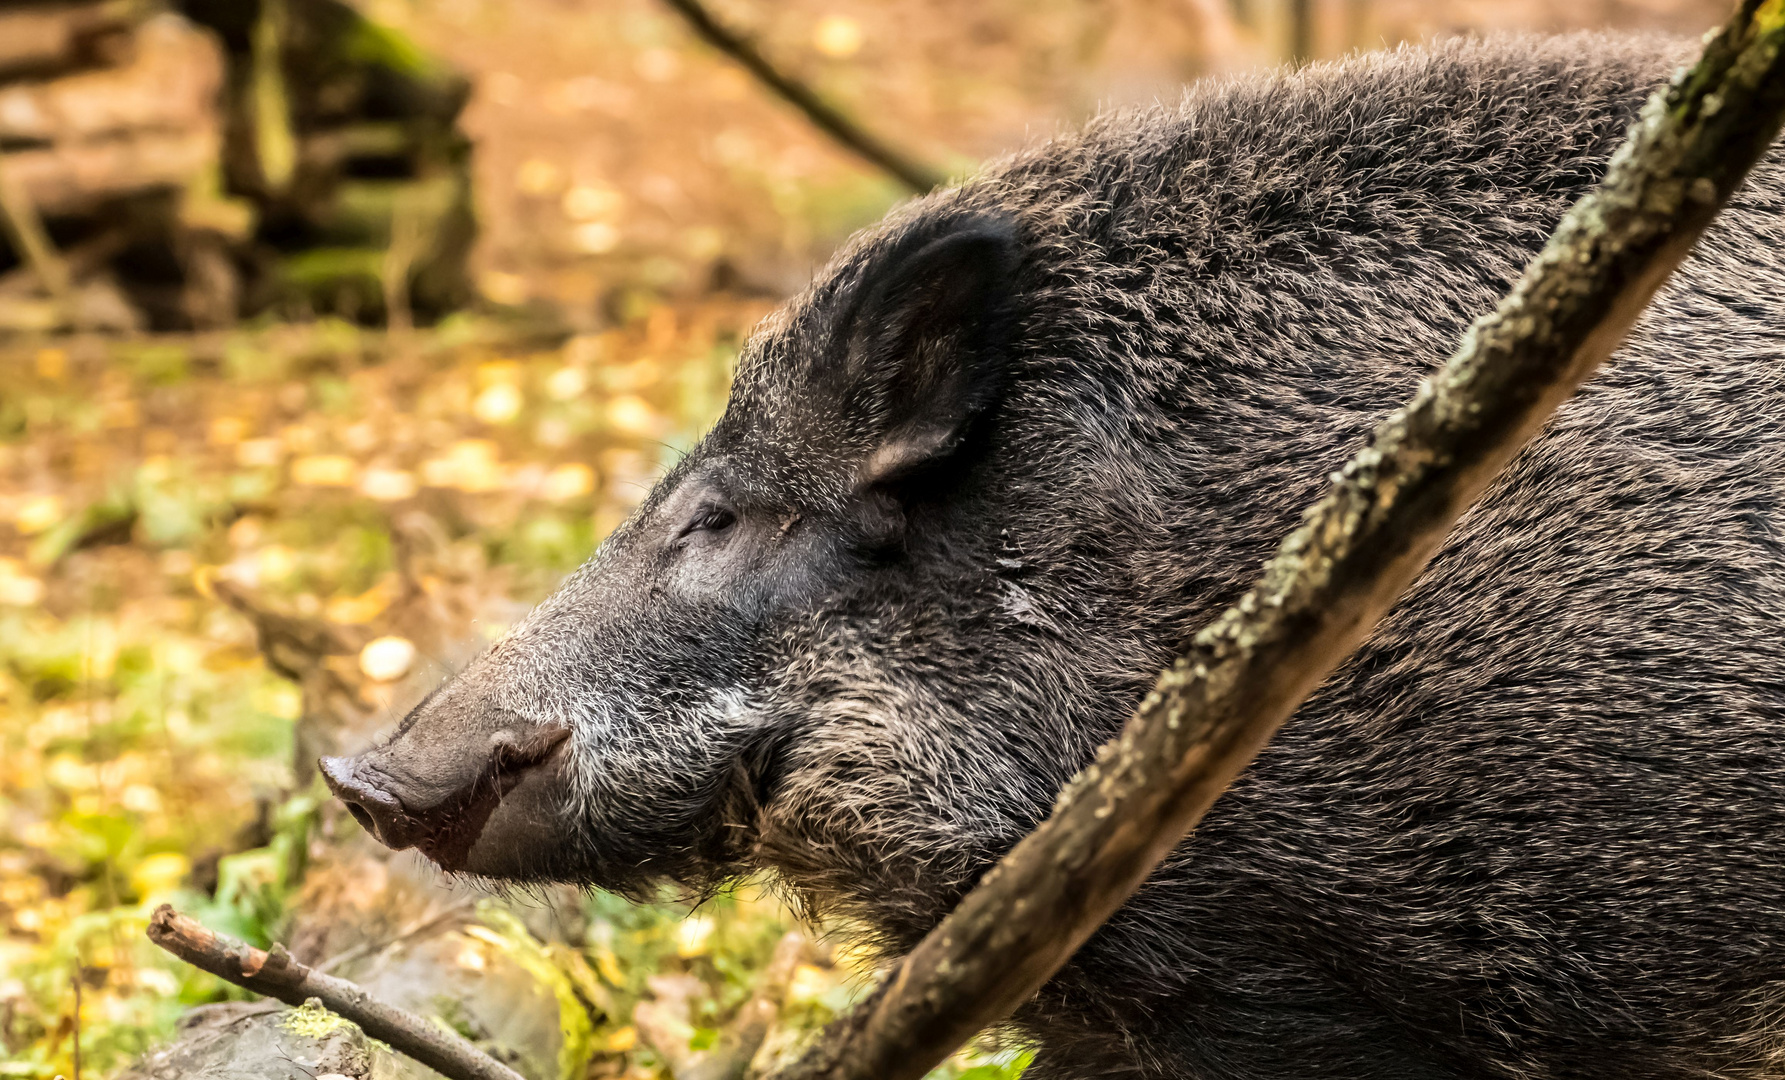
[24, 229]
[43, 40]
[114, 112]
[169, 84]
[71, 178]
[108, 158]
[97, 304]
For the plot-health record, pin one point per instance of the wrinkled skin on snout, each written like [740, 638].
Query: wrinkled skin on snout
[631, 729]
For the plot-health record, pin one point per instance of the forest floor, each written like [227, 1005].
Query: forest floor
[147, 754]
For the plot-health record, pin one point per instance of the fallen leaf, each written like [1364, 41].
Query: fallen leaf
[324, 470]
[388, 485]
[499, 404]
[566, 383]
[387, 659]
[837, 36]
[567, 482]
[622, 1040]
[632, 415]
[259, 453]
[37, 513]
[227, 431]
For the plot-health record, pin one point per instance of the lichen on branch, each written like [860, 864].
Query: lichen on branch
[276, 974]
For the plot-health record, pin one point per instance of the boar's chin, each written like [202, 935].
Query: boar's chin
[520, 833]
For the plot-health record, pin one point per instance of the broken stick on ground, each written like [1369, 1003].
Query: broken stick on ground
[275, 974]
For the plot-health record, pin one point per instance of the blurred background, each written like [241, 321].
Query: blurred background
[330, 337]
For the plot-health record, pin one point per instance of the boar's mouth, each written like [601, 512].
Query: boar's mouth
[444, 826]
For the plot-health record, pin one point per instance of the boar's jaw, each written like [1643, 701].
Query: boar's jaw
[474, 825]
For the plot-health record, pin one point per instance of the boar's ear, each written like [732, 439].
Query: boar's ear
[924, 342]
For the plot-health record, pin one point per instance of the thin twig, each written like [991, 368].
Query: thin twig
[1333, 578]
[276, 975]
[424, 925]
[914, 175]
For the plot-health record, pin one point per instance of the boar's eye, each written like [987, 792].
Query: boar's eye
[708, 519]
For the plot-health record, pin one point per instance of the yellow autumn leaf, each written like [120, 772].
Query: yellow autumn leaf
[324, 470]
[498, 373]
[567, 482]
[608, 965]
[160, 873]
[809, 983]
[621, 1040]
[18, 588]
[226, 431]
[52, 364]
[692, 936]
[587, 202]
[469, 465]
[566, 383]
[630, 414]
[595, 237]
[502, 287]
[260, 453]
[275, 562]
[537, 177]
[37, 513]
[499, 404]
[360, 609]
[837, 36]
[388, 485]
[387, 659]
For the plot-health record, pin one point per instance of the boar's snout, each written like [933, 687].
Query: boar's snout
[377, 810]
[455, 807]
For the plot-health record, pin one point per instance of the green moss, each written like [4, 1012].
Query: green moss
[368, 42]
[313, 1020]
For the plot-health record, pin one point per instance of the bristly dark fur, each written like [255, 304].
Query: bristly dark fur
[1532, 831]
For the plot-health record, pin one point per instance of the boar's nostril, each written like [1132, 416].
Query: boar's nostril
[378, 812]
[360, 815]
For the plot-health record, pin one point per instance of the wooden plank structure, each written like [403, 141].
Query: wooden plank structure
[172, 166]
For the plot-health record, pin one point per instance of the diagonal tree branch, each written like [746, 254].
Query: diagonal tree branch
[914, 175]
[277, 975]
[1333, 578]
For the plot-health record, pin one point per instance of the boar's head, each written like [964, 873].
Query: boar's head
[798, 573]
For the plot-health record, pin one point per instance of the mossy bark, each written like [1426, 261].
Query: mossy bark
[277, 975]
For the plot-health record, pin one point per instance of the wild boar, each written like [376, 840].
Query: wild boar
[1016, 444]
